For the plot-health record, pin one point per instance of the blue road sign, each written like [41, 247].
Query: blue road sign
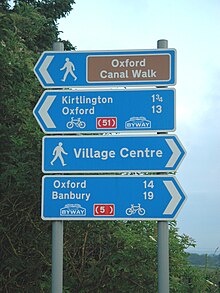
[106, 111]
[106, 68]
[111, 153]
[111, 198]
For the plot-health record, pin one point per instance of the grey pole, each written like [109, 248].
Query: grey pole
[163, 234]
[57, 235]
[163, 257]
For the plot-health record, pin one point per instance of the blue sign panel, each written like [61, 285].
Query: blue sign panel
[72, 154]
[111, 198]
[106, 68]
[106, 111]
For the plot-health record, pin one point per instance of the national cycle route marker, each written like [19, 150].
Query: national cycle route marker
[106, 111]
[111, 197]
[106, 68]
[111, 153]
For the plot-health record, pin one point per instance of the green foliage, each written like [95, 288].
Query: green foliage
[212, 279]
[4, 5]
[32, 30]
[53, 9]
[20, 177]
[25, 239]
[111, 257]
[209, 267]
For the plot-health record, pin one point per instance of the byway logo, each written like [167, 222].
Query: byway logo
[72, 210]
[138, 123]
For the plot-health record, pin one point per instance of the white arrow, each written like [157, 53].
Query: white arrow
[43, 112]
[43, 69]
[175, 155]
[176, 197]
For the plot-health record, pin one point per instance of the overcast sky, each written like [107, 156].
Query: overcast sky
[192, 28]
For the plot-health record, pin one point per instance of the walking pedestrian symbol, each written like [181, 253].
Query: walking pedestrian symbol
[69, 67]
[57, 153]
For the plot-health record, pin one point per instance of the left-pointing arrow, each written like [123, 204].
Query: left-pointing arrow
[43, 69]
[176, 197]
[43, 112]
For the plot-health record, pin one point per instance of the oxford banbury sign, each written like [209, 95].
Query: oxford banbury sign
[111, 197]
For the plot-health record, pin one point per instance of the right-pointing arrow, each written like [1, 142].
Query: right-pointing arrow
[175, 155]
[43, 112]
[176, 197]
[43, 69]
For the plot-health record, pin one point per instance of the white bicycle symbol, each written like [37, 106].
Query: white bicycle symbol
[75, 122]
[133, 209]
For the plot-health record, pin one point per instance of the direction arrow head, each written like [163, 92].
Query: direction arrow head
[41, 112]
[176, 197]
[43, 69]
[176, 152]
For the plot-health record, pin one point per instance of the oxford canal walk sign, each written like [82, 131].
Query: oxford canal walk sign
[106, 68]
[106, 111]
[111, 198]
[111, 153]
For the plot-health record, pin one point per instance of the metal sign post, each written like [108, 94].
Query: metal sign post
[163, 234]
[57, 236]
